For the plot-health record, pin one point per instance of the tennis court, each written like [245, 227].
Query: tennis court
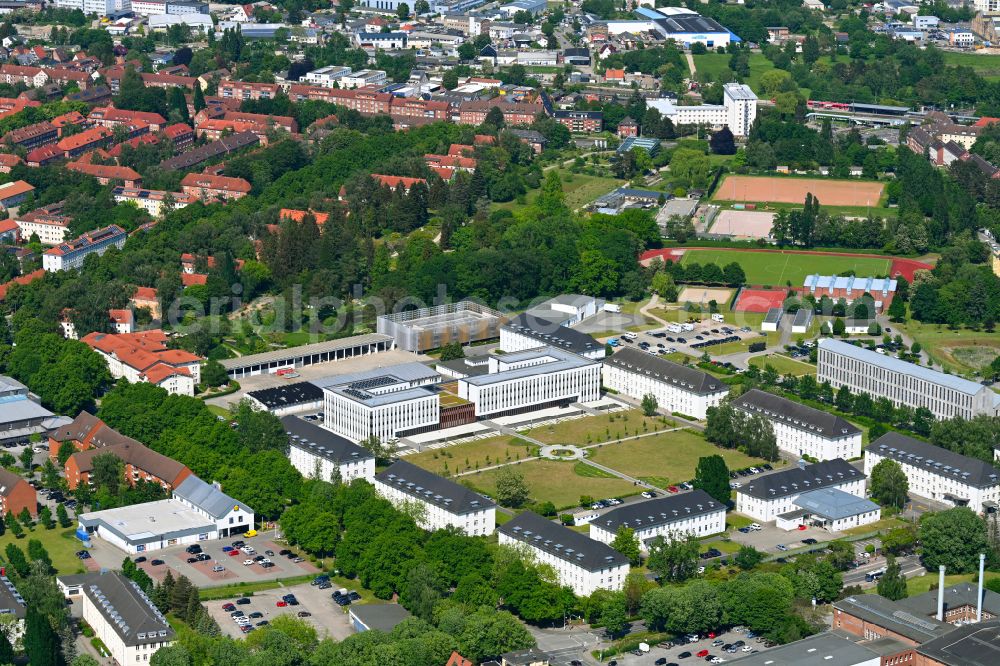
[759, 300]
[777, 189]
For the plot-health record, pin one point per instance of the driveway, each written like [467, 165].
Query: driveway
[328, 618]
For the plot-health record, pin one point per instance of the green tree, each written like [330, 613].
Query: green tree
[888, 484]
[892, 585]
[422, 590]
[953, 538]
[403, 11]
[614, 616]
[452, 351]
[712, 476]
[627, 543]
[748, 557]
[213, 374]
[649, 405]
[66, 449]
[85, 660]
[695, 607]
[675, 560]
[41, 643]
[897, 310]
[512, 491]
[107, 473]
[664, 285]
[26, 458]
[45, 517]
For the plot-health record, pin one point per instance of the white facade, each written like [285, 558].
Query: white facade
[49, 233]
[583, 580]
[767, 507]
[515, 338]
[152, 201]
[519, 381]
[148, 7]
[955, 479]
[804, 442]
[445, 503]
[987, 6]
[364, 77]
[676, 516]
[675, 387]
[69, 256]
[207, 500]
[98, 7]
[309, 464]
[880, 376]
[738, 110]
[126, 649]
[326, 76]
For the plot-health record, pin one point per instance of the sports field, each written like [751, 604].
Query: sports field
[794, 190]
[743, 224]
[777, 268]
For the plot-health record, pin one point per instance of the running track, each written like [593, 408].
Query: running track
[904, 267]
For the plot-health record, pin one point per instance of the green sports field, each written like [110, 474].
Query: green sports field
[777, 268]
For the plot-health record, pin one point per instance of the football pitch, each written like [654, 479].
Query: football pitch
[777, 268]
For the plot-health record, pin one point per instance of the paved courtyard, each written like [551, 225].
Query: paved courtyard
[328, 618]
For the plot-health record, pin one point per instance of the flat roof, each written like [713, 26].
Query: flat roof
[560, 360]
[288, 395]
[825, 649]
[796, 480]
[888, 614]
[937, 460]
[969, 645]
[380, 617]
[429, 487]
[955, 596]
[303, 350]
[795, 414]
[321, 442]
[562, 542]
[660, 511]
[688, 379]
[895, 365]
[834, 504]
[150, 521]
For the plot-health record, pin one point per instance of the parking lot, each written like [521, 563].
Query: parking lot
[702, 336]
[328, 618]
[711, 647]
[203, 574]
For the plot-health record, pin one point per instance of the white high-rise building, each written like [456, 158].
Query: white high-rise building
[581, 563]
[738, 110]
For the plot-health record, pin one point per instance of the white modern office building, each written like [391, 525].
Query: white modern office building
[151, 526]
[768, 496]
[532, 330]
[738, 110]
[326, 76]
[70, 255]
[937, 473]
[674, 516]
[445, 503]
[364, 77]
[567, 309]
[386, 403]
[580, 563]
[121, 615]
[98, 7]
[802, 430]
[531, 379]
[882, 376]
[318, 453]
[677, 388]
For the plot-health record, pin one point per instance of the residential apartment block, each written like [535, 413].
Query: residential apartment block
[16, 494]
[738, 110]
[768, 496]
[580, 563]
[47, 222]
[677, 388]
[802, 430]
[675, 516]
[937, 473]
[153, 201]
[70, 255]
[214, 188]
[531, 379]
[318, 453]
[882, 376]
[144, 357]
[446, 503]
[124, 619]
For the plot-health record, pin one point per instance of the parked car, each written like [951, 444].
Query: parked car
[218, 568]
[193, 549]
[243, 601]
[156, 563]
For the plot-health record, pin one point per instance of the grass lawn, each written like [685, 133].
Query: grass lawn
[771, 337]
[777, 268]
[218, 411]
[554, 481]
[727, 547]
[472, 455]
[878, 526]
[716, 66]
[785, 365]
[963, 350]
[580, 190]
[667, 458]
[922, 584]
[594, 429]
[735, 521]
[61, 545]
[987, 66]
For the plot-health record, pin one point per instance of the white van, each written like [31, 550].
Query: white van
[629, 336]
[674, 328]
[718, 317]
[612, 307]
[687, 327]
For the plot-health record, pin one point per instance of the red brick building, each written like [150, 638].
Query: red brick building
[110, 117]
[474, 113]
[628, 127]
[16, 494]
[208, 187]
[78, 144]
[118, 175]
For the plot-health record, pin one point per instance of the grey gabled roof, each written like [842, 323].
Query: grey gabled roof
[687, 379]
[126, 609]
[795, 414]
[429, 487]
[824, 649]
[321, 442]
[955, 596]
[562, 542]
[895, 365]
[11, 601]
[207, 497]
[887, 614]
[551, 333]
[661, 511]
[834, 504]
[903, 449]
[797, 480]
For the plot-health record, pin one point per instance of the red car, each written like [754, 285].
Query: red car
[802, 527]
[282, 604]
[703, 653]
[674, 489]
[711, 634]
[233, 553]
[228, 607]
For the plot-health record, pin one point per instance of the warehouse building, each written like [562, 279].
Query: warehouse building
[695, 513]
[432, 328]
[937, 473]
[768, 496]
[288, 399]
[882, 376]
[445, 503]
[296, 357]
[802, 430]
[677, 388]
[318, 453]
[529, 380]
[580, 563]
